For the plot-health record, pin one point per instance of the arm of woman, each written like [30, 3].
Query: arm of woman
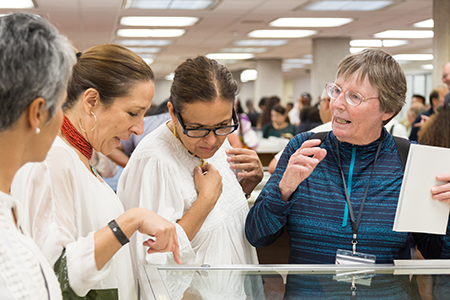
[269, 214]
[248, 164]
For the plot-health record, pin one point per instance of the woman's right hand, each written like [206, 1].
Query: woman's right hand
[208, 183]
[300, 166]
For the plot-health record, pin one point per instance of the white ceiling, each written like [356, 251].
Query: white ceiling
[91, 22]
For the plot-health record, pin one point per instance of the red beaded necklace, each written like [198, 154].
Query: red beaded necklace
[76, 139]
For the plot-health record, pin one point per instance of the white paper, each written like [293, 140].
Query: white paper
[416, 210]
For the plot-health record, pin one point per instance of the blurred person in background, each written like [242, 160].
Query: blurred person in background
[436, 100]
[252, 114]
[279, 125]
[294, 114]
[266, 116]
[244, 136]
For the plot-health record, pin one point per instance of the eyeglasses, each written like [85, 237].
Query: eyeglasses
[353, 98]
[202, 132]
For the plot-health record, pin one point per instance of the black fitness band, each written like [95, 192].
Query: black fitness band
[121, 237]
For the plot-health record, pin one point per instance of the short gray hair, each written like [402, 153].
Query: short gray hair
[35, 61]
[384, 74]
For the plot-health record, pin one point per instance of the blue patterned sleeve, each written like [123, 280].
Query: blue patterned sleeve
[269, 213]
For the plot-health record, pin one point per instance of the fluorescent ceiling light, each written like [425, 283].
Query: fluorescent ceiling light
[150, 32]
[146, 55]
[427, 67]
[356, 50]
[274, 33]
[158, 21]
[394, 43]
[405, 34]
[148, 60]
[425, 24]
[169, 4]
[170, 76]
[246, 50]
[377, 43]
[310, 22]
[16, 4]
[347, 5]
[415, 57]
[144, 49]
[298, 61]
[248, 75]
[229, 56]
[264, 43]
[293, 66]
[366, 43]
[145, 42]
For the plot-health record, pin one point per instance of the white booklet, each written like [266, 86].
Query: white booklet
[417, 211]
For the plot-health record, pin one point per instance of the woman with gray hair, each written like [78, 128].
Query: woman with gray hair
[35, 65]
[341, 192]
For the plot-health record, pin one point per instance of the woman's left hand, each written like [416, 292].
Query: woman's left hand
[251, 169]
[442, 192]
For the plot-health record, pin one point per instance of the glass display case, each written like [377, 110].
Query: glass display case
[409, 279]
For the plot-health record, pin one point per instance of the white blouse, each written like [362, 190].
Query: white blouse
[160, 177]
[65, 204]
[24, 271]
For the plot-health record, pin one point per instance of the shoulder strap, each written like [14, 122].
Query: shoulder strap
[319, 135]
[403, 149]
[401, 143]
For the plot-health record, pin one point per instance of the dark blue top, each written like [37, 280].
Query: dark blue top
[415, 130]
[316, 217]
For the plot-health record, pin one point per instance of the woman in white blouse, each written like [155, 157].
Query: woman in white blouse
[187, 172]
[35, 67]
[73, 215]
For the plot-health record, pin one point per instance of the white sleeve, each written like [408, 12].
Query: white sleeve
[47, 192]
[152, 184]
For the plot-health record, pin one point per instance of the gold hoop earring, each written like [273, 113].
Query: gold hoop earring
[95, 124]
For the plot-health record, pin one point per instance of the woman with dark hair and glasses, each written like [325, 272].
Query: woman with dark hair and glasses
[187, 172]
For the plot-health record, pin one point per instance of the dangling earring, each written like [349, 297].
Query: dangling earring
[95, 124]
[38, 130]
[175, 131]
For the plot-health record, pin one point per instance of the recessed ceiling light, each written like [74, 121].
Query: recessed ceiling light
[249, 50]
[148, 60]
[427, 67]
[170, 76]
[415, 57]
[229, 55]
[265, 43]
[248, 75]
[169, 4]
[150, 32]
[377, 43]
[144, 49]
[347, 5]
[405, 34]
[274, 33]
[425, 24]
[298, 61]
[310, 22]
[16, 4]
[158, 21]
[145, 42]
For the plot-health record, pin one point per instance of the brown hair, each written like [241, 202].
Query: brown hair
[436, 131]
[201, 79]
[384, 73]
[110, 69]
[270, 104]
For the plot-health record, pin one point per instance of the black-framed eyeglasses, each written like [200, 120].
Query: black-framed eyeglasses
[353, 98]
[202, 132]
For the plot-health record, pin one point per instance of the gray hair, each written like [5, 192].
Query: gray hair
[36, 61]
